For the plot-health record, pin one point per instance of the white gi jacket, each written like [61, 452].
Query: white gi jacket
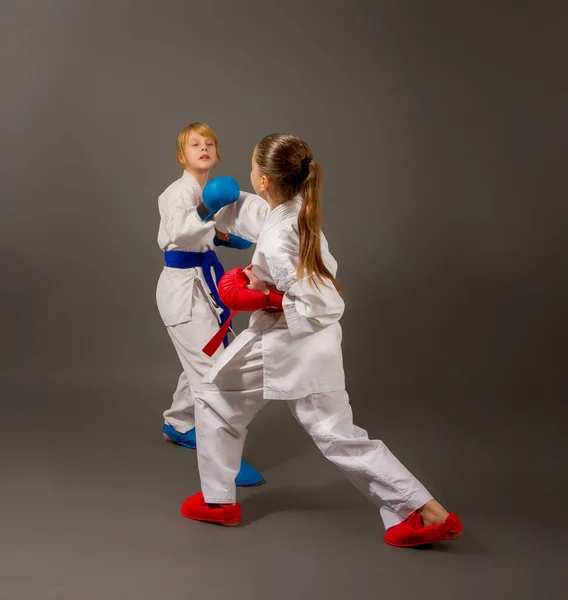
[182, 229]
[301, 346]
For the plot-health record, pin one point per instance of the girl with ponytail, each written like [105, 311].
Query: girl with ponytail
[292, 351]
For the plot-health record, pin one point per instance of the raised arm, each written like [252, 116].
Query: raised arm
[244, 218]
[182, 223]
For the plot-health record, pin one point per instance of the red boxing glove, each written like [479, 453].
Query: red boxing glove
[235, 295]
[275, 298]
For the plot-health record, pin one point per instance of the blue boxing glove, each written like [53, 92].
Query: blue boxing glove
[234, 242]
[219, 192]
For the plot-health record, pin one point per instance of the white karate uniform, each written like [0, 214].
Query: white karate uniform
[294, 356]
[186, 305]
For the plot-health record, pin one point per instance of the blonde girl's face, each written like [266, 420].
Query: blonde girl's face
[199, 153]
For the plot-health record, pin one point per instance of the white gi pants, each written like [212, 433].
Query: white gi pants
[224, 409]
[188, 339]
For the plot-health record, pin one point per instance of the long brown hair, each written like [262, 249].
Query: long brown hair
[288, 162]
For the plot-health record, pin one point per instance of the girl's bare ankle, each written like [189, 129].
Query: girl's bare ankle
[433, 513]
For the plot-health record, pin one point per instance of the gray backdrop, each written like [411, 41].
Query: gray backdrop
[441, 129]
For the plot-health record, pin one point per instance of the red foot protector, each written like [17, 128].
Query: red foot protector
[235, 295]
[413, 533]
[197, 509]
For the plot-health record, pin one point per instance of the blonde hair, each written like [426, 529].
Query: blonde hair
[287, 160]
[199, 128]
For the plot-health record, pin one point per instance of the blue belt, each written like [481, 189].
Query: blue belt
[177, 259]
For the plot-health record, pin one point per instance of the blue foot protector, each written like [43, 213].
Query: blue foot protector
[181, 439]
[248, 476]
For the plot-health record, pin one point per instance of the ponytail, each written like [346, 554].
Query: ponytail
[287, 161]
[309, 225]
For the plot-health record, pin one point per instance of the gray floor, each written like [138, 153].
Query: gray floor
[91, 496]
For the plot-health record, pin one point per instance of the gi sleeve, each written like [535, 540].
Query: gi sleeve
[244, 218]
[308, 308]
[182, 223]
